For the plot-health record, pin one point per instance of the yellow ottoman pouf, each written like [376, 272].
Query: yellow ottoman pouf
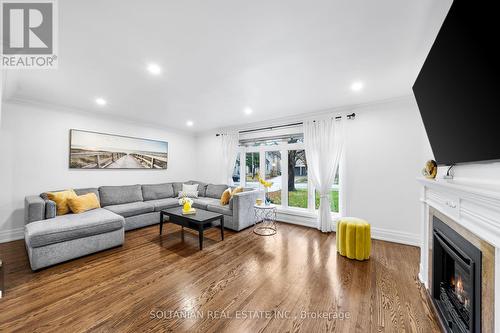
[353, 238]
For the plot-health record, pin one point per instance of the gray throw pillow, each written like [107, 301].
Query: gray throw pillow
[177, 188]
[215, 191]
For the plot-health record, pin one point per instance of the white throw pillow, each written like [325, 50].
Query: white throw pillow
[190, 191]
[188, 194]
[189, 188]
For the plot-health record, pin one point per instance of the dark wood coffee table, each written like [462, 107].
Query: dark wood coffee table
[199, 221]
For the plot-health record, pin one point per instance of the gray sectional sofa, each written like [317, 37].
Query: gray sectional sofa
[52, 239]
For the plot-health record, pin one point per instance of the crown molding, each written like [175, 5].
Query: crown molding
[359, 107]
[335, 111]
[84, 112]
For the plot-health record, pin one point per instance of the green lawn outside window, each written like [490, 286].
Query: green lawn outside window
[298, 198]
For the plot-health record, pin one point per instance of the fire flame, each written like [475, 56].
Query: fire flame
[461, 295]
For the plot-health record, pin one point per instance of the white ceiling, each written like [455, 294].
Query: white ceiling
[279, 57]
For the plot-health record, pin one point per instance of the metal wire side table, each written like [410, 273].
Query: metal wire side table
[266, 214]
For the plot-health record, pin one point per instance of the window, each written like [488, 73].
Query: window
[236, 171]
[297, 179]
[273, 174]
[334, 204]
[252, 169]
[280, 158]
[272, 140]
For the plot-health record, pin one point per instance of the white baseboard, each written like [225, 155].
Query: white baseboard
[298, 220]
[396, 236]
[377, 233]
[11, 235]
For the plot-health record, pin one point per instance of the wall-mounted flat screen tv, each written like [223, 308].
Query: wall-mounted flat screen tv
[458, 88]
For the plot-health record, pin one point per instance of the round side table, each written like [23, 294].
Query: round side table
[266, 214]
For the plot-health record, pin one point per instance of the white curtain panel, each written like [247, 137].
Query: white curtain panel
[323, 140]
[229, 144]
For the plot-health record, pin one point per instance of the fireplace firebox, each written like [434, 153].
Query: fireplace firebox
[456, 286]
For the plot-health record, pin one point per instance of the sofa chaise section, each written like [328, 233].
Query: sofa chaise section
[52, 241]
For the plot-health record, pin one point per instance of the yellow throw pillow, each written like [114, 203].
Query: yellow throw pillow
[237, 190]
[61, 200]
[224, 199]
[83, 203]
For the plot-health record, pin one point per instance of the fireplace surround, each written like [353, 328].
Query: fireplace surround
[468, 215]
[456, 288]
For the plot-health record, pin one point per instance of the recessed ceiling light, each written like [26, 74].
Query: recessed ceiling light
[248, 111]
[154, 69]
[100, 101]
[189, 123]
[357, 86]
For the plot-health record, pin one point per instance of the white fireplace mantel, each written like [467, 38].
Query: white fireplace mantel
[476, 207]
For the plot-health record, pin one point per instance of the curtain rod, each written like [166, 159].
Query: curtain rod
[349, 116]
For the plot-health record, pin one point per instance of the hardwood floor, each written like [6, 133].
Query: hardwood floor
[168, 285]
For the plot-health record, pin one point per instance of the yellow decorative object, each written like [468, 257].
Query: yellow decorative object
[430, 170]
[225, 197]
[61, 200]
[258, 202]
[83, 203]
[228, 195]
[353, 238]
[239, 189]
[187, 206]
[265, 183]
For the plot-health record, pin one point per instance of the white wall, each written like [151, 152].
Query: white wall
[2, 85]
[209, 155]
[34, 150]
[385, 152]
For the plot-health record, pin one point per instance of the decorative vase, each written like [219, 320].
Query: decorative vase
[186, 207]
[267, 199]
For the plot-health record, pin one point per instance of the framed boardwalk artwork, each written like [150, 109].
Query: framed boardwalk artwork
[92, 150]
